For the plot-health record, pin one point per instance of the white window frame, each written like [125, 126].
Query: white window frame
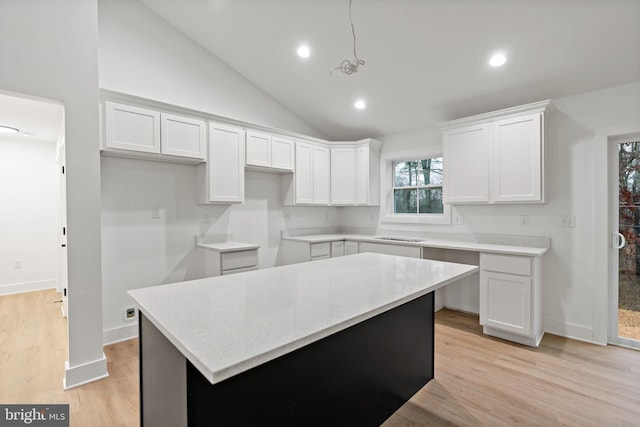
[387, 214]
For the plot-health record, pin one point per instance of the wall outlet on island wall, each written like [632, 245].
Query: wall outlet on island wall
[458, 220]
[130, 314]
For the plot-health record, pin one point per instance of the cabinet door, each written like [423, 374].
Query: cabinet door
[465, 154]
[258, 149]
[132, 128]
[226, 163]
[350, 248]
[282, 153]
[343, 176]
[304, 173]
[183, 136]
[362, 175]
[337, 249]
[321, 171]
[517, 159]
[505, 302]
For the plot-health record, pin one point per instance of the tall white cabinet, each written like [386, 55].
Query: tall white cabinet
[221, 178]
[496, 157]
[309, 184]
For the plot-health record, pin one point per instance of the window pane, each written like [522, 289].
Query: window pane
[431, 171]
[430, 200]
[405, 201]
[405, 173]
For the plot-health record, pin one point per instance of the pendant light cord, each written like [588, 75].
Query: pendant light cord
[346, 66]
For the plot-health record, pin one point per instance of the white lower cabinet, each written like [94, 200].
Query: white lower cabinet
[351, 248]
[212, 262]
[337, 248]
[390, 249]
[510, 297]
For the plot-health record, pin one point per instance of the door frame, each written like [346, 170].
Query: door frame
[611, 138]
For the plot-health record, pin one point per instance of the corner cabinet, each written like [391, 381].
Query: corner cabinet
[136, 132]
[221, 178]
[511, 297]
[355, 173]
[496, 157]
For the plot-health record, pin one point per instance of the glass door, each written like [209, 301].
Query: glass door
[626, 295]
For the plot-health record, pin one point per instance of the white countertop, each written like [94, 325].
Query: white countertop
[228, 246]
[431, 243]
[229, 324]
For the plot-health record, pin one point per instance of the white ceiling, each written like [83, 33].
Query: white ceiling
[426, 60]
[40, 120]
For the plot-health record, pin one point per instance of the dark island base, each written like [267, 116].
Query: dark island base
[357, 377]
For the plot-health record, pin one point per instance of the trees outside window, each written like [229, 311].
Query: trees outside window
[417, 186]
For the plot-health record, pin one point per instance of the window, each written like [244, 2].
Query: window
[417, 186]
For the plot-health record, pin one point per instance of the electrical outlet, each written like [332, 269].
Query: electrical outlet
[130, 314]
[568, 221]
[458, 220]
[17, 264]
[524, 220]
[155, 213]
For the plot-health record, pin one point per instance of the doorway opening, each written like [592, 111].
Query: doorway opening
[625, 298]
[33, 217]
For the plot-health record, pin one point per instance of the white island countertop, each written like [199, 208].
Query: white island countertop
[229, 324]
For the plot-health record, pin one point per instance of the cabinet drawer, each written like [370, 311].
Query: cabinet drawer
[239, 259]
[509, 264]
[320, 249]
[238, 270]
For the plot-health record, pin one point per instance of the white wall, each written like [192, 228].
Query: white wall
[30, 196]
[571, 283]
[140, 251]
[142, 55]
[49, 50]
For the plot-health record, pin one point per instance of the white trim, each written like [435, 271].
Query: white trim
[570, 330]
[123, 333]
[85, 373]
[535, 107]
[17, 288]
[607, 216]
[386, 178]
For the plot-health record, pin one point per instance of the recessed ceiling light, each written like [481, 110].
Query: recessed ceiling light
[303, 51]
[497, 60]
[8, 129]
[360, 104]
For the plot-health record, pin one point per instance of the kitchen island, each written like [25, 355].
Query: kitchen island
[343, 341]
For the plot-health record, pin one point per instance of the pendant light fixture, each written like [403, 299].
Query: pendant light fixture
[346, 66]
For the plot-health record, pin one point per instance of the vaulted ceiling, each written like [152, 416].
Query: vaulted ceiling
[426, 61]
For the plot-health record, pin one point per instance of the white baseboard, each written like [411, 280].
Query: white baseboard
[85, 373]
[570, 330]
[18, 288]
[123, 333]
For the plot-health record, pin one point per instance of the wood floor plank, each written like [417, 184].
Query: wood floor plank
[479, 380]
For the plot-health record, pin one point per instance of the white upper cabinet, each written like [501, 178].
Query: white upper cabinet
[309, 184]
[496, 157]
[144, 133]
[221, 179]
[355, 173]
[132, 128]
[517, 159]
[182, 136]
[343, 175]
[271, 152]
[466, 164]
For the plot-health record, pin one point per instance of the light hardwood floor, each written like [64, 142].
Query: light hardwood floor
[480, 381]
